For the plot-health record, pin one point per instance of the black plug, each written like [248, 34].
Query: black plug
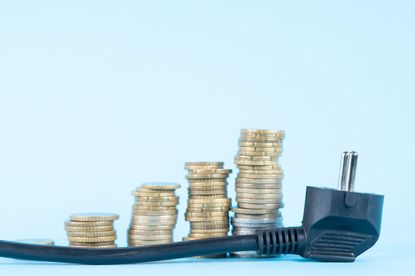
[338, 225]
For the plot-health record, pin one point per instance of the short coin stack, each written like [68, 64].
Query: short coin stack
[208, 204]
[92, 230]
[258, 184]
[154, 214]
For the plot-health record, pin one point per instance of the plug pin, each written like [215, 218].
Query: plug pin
[351, 171]
[343, 171]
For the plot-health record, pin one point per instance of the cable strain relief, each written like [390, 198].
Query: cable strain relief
[272, 242]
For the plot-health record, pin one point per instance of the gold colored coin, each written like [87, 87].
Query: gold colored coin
[191, 165]
[260, 149]
[210, 171]
[160, 186]
[210, 200]
[88, 223]
[248, 131]
[196, 210]
[96, 246]
[259, 167]
[94, 217]
[206, 214]
[152, 193]
[205, 236]
[257, 158]
[274, 154]
[207, 176]
[154, 208]
[254, 163]
[150, 204]
[91, 243]
[92, 234]
[92, 239]
[89, 229]
[154, 198]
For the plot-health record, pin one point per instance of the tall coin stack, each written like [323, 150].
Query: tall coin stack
[208, 204]
[154, 214]
[92, 230]
[258, 184]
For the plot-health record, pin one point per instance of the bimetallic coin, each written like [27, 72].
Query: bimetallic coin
[256, 211]
[265, 196]
[258, 180]
[155, 213]
[156, 193]
[94, 217]
[151, 227]
[260, 176]
[152, 237]
[253, 200]
[260, 206]
[257, 191]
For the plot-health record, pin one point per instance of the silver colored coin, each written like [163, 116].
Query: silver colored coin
[259, 206]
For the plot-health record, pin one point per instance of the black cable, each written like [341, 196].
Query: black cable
[127, 255]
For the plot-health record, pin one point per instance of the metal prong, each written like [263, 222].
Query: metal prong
[343, 171]
[351, 171]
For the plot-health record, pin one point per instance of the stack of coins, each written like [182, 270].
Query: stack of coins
[93, 230]
[258, 184]
[208, 204]
[154, 214]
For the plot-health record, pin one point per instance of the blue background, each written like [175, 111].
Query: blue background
[99, 96]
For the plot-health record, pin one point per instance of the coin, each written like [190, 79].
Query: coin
[92, 234]
[260, 149]
[89, 229]
[94, 217]
[258, 168]
[92, 239]
[70, 223]
[258, 181]
[247, 131]
[96, 246]
[259, 206]
[257, 191]
[37, 241]
[191, 165]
